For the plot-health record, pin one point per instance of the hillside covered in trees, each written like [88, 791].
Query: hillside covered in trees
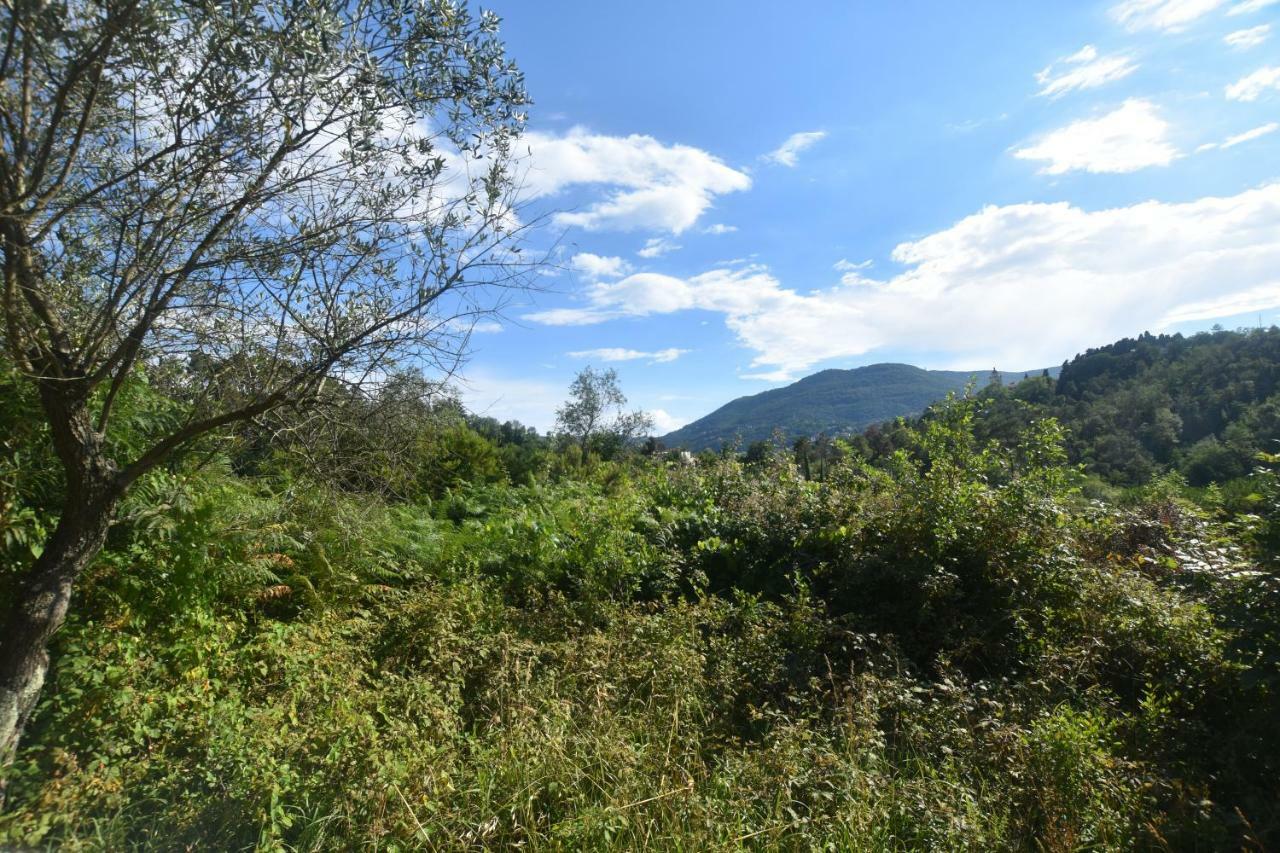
[1203, 406]
[834, 402]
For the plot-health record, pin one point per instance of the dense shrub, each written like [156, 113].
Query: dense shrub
[953, 648]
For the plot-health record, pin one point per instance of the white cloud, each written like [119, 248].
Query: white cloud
[1021, 285]
[599, 266]
[571, 316]
[780, 375]
[1250, 135]
[852, 272]
[1168, 15]
[1253, 86]
[661, 356]
[656, 247]
[1250, 38]
[788, 152]
[1131, 137]
[474, 326]
[1249, 6]
[1247, 136]
[530, 401]
[1085, 70]
[663, 422]
[719, 228]
[730, 291]
[1233, 304]
[650, 185]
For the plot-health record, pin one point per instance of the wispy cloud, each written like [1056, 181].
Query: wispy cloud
[475, 326]
[852, 273]
[973, 124]
[1250, 135]
[1129, 138]
[788, 153]
[656, 247]
[1247, 136]
[719, 228]
[1250, 6]
[1084, 69]
[1250, 38]
[1255, 85]
[1166, 15]
[661, 356]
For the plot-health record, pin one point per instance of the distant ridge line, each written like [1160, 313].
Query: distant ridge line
[834, 401]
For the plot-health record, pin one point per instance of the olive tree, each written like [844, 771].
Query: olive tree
[594, 416]
[237, 201]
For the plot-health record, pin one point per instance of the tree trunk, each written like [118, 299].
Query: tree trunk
[39, 609]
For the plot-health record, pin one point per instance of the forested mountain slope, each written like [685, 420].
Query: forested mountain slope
[1203, 405]
[836, 402]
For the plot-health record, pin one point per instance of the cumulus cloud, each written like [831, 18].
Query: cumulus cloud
[1250, 38]
[1167, 15]
[1084, 69]
[1131, 137]
[664, 422]
[656, 247]
[788, 153]
[1247, 136]
[600, 266]
[1253, 86]
[1023, 284]
[649, 185]
[661, 356]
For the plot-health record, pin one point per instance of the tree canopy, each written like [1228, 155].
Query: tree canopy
[595, 416]
[239, 204]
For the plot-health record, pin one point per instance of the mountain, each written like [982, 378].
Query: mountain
[837, 402]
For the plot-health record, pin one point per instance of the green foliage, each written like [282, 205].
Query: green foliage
[594, 416]
[1203, 405]
[952, 647]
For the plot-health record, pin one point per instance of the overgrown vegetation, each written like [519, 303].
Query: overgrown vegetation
[956, 644]
[266, 585]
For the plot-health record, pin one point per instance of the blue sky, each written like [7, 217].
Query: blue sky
[740, 194]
